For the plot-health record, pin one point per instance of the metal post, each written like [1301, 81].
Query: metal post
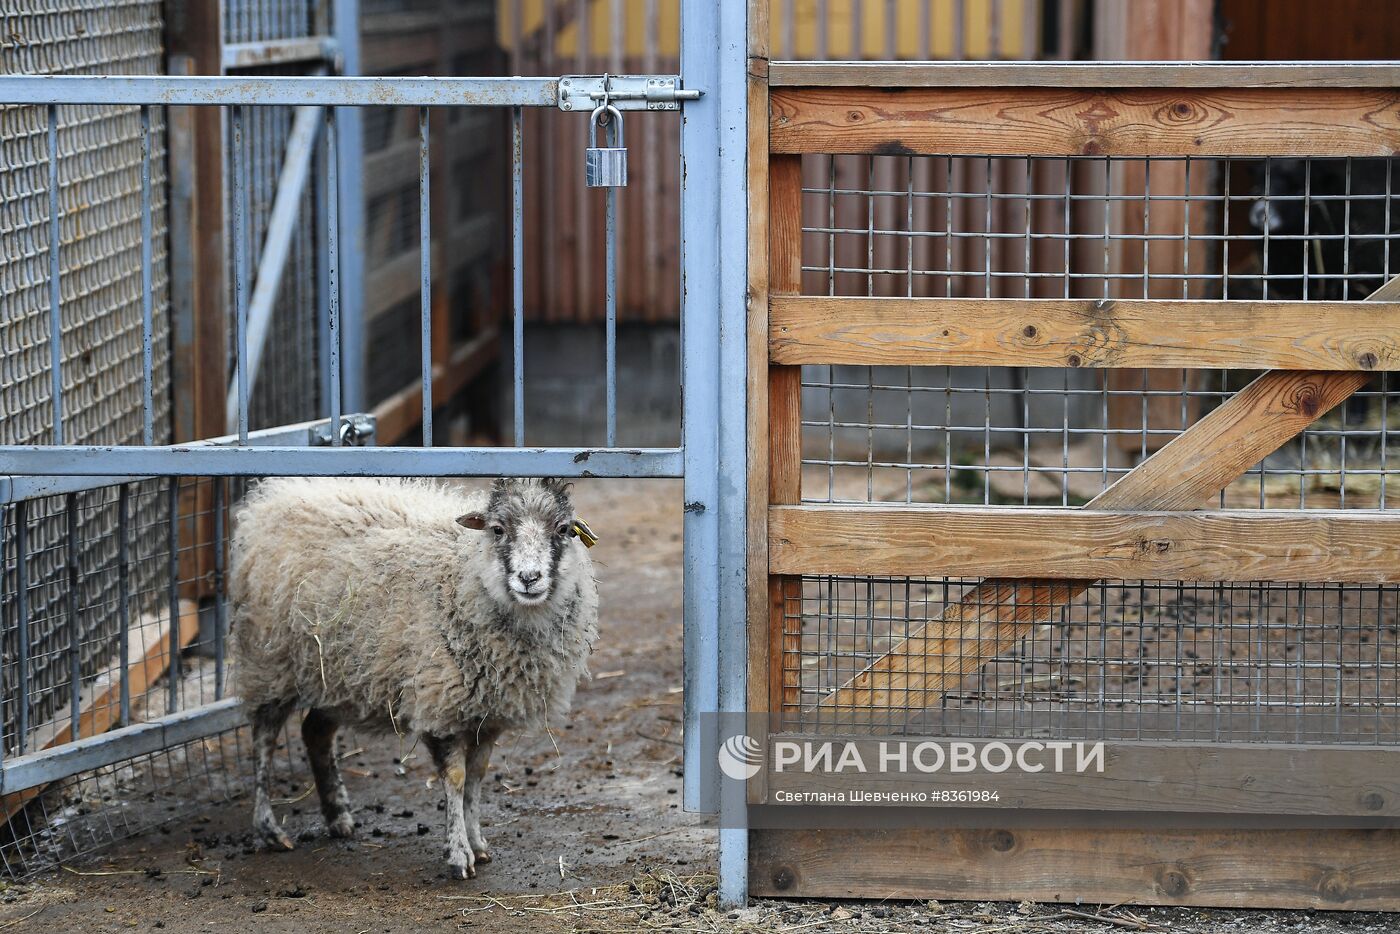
[345, 26]
[714, 267]
[517, 187]
[425, 273]
[55, 285]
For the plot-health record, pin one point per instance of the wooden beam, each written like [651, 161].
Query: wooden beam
[101, 697]
[1085, 333]
[1034, 542]
[784, 410]
[399, 414]
[1180, 864]
[1180, 777]
[1047, 121]
[1184, 474]
[1091, 76]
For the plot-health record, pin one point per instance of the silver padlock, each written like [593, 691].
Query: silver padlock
[606, 166]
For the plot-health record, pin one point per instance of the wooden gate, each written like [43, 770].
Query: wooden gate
[1202, 593]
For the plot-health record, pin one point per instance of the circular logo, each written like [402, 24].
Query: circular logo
[740, 757]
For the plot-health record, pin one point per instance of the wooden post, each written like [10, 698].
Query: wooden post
[784, 411]
[198, 269]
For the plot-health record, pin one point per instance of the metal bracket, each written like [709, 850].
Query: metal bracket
[355, 430]
[625, 92]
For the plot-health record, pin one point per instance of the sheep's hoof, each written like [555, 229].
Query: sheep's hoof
[482, 856]
[342, 827]
[460, 872]
[277, 839]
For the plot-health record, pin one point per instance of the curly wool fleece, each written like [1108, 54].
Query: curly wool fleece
[367, 599]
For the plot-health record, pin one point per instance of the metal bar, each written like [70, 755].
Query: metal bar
[237, 55]
[277, 243]
[124, 600]
[425, 270]
[55, 290]
[350, 208]
[249, 461]
[75, 631]
[14, 489]
[69, 759]
[22, 623]
[173, 593]
[240, 270]
[333, 270]
[220, 609]
[282, 90]
[714, 208]
[610, 253]
[517, 185]
[147, 288]
[1081, 75]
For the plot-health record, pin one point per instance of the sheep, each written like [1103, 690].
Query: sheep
[403, 606]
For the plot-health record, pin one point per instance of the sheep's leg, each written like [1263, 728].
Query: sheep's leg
[447, 757]
[479, 746]
[318, 731]
[267, 723]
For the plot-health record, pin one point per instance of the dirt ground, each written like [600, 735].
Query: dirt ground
[587, 827]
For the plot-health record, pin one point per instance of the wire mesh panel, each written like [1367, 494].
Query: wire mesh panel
[1133, 660]
[1086, 228]
[71, 548]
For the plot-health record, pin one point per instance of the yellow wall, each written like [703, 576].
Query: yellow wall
[601, 14]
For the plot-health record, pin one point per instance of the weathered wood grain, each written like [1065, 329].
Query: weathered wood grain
[1203, 778]
[784, 404]
[1174, 74]
[1085, 333]
[1048, 121]
[1033, 542]
[1183, 865]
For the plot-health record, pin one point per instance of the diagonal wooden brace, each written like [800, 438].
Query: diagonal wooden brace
[1185, 474]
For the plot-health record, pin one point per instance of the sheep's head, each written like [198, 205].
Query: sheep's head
[530, 524]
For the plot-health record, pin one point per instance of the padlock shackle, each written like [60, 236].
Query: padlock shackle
[614, 124]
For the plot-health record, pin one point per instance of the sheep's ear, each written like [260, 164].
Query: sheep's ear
[472, 520]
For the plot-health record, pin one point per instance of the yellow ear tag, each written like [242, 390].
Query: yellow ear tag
[584, 533]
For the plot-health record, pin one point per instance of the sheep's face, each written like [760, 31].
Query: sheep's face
[529, 524]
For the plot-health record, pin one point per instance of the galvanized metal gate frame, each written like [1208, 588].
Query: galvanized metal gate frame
[711, 458]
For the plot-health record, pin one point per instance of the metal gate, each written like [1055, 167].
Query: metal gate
[63, 462]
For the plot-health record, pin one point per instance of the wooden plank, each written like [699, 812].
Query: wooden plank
[760, 651]
[199, 311]
[784, 410]
[100, 707]
[1085, 75]
[399, 414]
[1048, 121]
[1184, 777]
[1177, 865]
[1039, 542]
[1085, 333]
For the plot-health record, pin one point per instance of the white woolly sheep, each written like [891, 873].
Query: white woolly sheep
[405, 606]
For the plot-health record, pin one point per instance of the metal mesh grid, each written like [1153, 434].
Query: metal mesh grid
[1124, 661]
[1083, 228]
[83, 813]
[100, 158]
[138, 565]
[262, 20]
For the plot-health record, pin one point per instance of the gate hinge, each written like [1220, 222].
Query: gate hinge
[625, 92]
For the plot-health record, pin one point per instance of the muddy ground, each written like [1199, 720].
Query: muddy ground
[586, 826]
